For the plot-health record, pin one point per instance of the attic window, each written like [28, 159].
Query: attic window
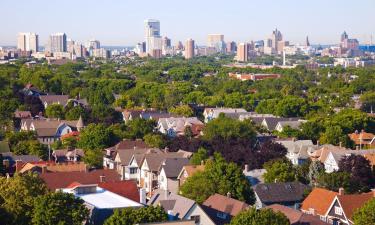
[221, 215]
[338, 210]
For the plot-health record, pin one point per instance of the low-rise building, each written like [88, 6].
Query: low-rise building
[176, 126]
[298, 151]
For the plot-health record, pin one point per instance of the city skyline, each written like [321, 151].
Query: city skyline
[123, 23]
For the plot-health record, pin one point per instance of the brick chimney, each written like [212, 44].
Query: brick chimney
[341, 191]
[229, 195]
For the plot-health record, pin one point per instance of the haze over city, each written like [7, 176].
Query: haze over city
[121, 22]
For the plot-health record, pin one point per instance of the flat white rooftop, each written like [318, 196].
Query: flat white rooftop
[103, 199]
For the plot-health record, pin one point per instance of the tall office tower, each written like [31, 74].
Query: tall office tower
[28, 42]
[231, 47]
[242, 52]
[179, 46]
[344, 36]
[57, 43]
[92, 44]
[216, 41]
[189, 49]
[166, 42]
[276, 37]
[152, 35]
[70, 45]
[307, 41]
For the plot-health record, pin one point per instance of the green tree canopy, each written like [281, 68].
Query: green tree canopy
[199, 156]
[155, 140]
[182, 110]
[280, 170]
[55, 111]
[131, 216]
[59, 208]
[252, 216]
[366, 214]
[17, 195]
[218, 177]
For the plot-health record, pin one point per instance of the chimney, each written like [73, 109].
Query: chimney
[18, 165]
[102, 178]
[341, 191]
[229, 195]
[202, 162]
[340, 144]
[246, 168]
[142, 196]
[44, 169]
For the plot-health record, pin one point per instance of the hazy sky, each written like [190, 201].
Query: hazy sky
[120, 22]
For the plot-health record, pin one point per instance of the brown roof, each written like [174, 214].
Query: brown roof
[350, 203]
[54, 99]
[296, 217]
[363, 137]
[128, 144]
[192, 169]
[322, 153]
[319, 199]
[63, 179]
[125, 188]
[155, 160]
[225, 204]
[371, 158]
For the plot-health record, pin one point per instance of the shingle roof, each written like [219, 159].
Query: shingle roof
[225, 204]
[273, 121]
[178, 204]
[24, 158]
[128, 144]
[125, 188]
[192, 169]
[350, 203]
[125, 155]
[154, 161]
[173, 166]
[52, 99]
[63, 179]
[319, 199]
[362, 137]
[280, 192]
[296, 217]
[213, 215]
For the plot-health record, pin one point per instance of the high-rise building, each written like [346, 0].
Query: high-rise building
[152, 35]
[231, 47]
[307, 41]
[216, 41]
[92, 44]
[242, 52]
[28, 42]
[57, 43]
[344, 36]
[189, 49]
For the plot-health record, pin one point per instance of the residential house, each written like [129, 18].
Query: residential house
[58, 180]
[188, 171]
[31, 90]
[168, 173]
[52, 167]
[289, 194]
[363, 139]
[331, 163]
[175, 222]
[291, 124]
[100, 201]
[343, 207]
[53, 99]
[298, 151]
[48, 131]
[217, 209]
[270, 123]
[213, 113]
[176, 126]
[176, 206]
[147, 114]
[296, 217]
[14, 163]
[149, 170]
[68, 155]
[318, 202]
[110, 153]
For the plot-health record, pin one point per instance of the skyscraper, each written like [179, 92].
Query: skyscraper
[242, 52]
[152, 35]
[92, 44]
[28, 42]
[189, 49]
[307, 41]
[57, 43]
[216, 41]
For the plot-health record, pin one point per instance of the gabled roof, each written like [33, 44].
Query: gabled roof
[322, 153]
[280, 192]
[173, 166]
[225, 204]
[350, 203]
[63, 179]
[124, 188]
[125, 155]
[319, 200]
[191, 169]
[273, 121]
[128, 144]
[178, 204]
[24, 158]
[154, 161]
[296, 217]
[362, 137]
[51, 99]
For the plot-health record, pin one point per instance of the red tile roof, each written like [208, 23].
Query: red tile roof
[64, 179]
[125, 188]
[319, 199]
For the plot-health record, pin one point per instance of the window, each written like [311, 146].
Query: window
[338, 210]
[197, 219]
[133, 170]
[221, 215]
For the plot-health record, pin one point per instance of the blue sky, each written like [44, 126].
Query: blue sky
[120, 22]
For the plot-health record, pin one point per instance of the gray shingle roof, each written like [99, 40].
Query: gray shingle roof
[280, 192]
[173, 166]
